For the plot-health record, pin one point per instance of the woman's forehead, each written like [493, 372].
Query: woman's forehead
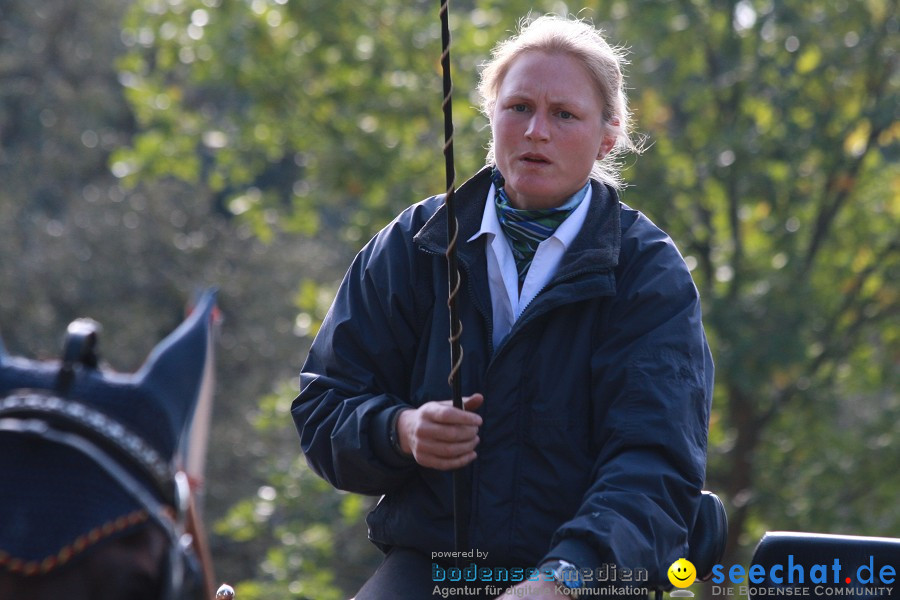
[560, 77]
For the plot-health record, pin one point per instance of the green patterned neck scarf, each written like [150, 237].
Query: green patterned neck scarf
[526, 229]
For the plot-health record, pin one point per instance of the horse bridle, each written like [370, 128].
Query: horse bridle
[110, 446]
[160, 489]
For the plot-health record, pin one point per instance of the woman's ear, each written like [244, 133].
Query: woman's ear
[609, 138]
[606, 145]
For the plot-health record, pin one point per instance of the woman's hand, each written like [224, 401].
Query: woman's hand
[440, 436]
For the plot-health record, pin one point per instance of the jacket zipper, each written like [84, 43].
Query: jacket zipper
[522, 322]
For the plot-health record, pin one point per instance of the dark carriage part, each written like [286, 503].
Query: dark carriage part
[825, 565]
[709, 536]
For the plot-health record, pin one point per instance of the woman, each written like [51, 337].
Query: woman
[586, 371]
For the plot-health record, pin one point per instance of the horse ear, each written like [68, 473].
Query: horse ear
[174, 370]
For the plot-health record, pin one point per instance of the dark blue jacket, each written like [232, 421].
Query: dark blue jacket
[593, 447]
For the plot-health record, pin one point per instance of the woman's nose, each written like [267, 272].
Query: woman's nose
[537, 127]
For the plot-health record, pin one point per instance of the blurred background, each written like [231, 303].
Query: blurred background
[149, 148]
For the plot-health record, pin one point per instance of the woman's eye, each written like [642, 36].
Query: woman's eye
[564, 114]
[519, 108]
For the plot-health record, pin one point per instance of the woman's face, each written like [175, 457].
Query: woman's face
[548, 129]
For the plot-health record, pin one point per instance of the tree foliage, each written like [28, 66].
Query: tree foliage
[75, 242]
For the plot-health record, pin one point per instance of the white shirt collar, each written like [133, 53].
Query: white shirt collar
[565, 233]
[507, 302]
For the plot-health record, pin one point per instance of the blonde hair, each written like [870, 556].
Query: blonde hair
[603, 63]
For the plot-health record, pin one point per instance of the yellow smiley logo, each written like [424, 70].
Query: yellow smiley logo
[682, 573]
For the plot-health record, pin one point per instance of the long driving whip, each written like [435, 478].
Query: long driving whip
[460, 495]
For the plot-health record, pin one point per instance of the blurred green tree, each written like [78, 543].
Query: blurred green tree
[772, 160]
[75, 242]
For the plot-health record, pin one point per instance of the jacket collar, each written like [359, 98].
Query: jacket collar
[469, 206]
[595, 248]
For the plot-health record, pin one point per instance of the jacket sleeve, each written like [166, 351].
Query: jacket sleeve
[653, 373]
[356, 375]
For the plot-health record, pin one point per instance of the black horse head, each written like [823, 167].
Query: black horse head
[88, 468]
